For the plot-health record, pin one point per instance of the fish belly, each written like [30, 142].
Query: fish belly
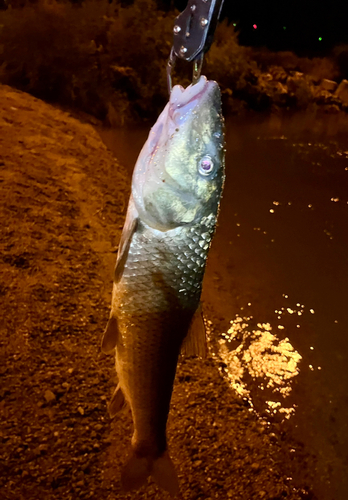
[154, 303]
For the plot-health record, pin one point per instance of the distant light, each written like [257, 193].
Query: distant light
[320, 39]
[234, 24]
[284, 27]
[255, 26]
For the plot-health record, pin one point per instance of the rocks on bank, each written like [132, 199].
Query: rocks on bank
[281, 89]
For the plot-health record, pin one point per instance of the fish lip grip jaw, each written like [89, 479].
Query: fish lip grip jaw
[194, 31]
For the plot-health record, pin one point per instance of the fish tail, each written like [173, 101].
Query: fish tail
[161, 469]
[164, 474]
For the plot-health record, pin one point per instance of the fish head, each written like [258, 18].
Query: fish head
[179, 174]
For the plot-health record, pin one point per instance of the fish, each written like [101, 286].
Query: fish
[155, 314]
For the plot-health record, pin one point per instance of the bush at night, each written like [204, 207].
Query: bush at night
[94, 56]
[109, 60]
[105, 59]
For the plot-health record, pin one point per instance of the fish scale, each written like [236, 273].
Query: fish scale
[171, 218]
[174, 259]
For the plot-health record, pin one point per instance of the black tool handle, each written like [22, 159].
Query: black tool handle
[195, 27]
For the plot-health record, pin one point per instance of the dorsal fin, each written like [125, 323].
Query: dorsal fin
[195, 342]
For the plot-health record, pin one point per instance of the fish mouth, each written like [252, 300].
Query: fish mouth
[181, 96]
[183, 101]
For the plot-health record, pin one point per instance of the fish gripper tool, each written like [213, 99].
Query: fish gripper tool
[194, 31]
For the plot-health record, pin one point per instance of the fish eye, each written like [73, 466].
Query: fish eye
[205, 165]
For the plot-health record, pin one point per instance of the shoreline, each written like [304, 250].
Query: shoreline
[63, 200]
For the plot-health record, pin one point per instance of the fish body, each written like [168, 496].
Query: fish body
[176, 189]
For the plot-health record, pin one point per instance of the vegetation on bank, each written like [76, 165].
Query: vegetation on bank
[109, 60]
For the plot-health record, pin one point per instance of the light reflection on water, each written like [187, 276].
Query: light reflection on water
[261, 353]
[272, 362]
[279, 263]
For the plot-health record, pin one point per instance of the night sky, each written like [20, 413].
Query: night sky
[288, 24]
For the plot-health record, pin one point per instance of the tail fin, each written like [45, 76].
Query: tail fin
[164, 475]
[161, 469]
[135, 472]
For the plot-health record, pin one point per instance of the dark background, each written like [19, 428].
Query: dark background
[305, 22]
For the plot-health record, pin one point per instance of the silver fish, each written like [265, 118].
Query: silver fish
[176, 190]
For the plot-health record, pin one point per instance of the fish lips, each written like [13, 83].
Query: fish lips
[183, 102]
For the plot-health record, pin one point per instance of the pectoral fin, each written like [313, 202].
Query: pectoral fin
[195, 342]
[129, 228]
[110, 336]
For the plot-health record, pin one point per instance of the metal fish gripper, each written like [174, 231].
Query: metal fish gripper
[193, 32]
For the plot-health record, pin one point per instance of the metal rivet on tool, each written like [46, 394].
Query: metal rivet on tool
[176, 29]
[183, 50]
[204, 21]
[193, 8]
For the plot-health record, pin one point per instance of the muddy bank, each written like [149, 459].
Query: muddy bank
[63, 198]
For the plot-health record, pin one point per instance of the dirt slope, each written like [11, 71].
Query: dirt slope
[62, 200]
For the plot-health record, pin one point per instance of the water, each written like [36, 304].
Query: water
[285, 224]
[277, 279]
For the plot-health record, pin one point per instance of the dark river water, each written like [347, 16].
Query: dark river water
[278, 276]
